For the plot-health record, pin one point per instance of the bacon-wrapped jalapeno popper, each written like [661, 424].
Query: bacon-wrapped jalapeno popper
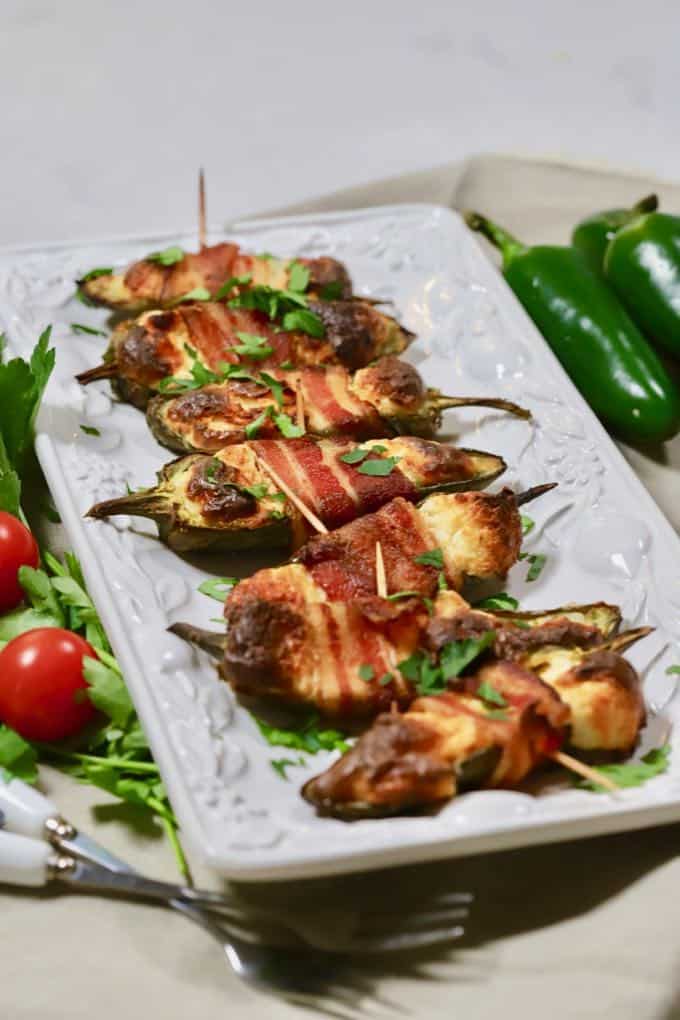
[162, 345]
[300, 632]
[228, 501]
[385, 399]
[159, 280]
[489, 729]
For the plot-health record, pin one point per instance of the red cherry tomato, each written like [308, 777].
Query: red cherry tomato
[42, 688]
[18, 548]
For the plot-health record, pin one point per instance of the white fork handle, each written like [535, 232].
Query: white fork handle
[25, 809]
[23, 861]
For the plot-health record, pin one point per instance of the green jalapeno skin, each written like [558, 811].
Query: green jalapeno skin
[589, 330]
[642, 264]
[593, 234]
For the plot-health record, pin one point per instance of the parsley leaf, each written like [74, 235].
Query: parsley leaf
[281, 764]
[253, 346]
[487, 692]
[305, 321]
[253, 427]
[378, 467]
[274, 385]
[90, 430]
[432, 558]
[536, 563]
[197, 294]
[230, 284]
[22, 384]
[18, 760]
[218, 587]
[298, 276]
[366, 672]
[287, 427]
[107, 692]
[167, 257]
[500, 601]
[306, 737]
[355, 456]
[528, 524]
[632, 773]
[258, 491]
[78, 327]
[456, 655]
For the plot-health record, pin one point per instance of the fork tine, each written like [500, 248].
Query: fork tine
[414, 940]
[410, 922]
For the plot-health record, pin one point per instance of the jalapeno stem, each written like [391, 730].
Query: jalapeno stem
[441, 402]
[107, 370]
[208, 640]
[650, 203]
[138, 504]
[508, 245]
[530, 494]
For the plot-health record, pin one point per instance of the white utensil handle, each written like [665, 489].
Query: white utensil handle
[25, 810]
[23, 861]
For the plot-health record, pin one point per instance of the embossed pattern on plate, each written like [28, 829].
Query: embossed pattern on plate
[603, 535]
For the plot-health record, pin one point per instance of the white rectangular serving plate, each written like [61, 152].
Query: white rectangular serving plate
[603, 535]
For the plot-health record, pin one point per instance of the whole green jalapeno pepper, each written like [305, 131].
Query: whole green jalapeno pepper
[642, 264]
[592, 235]
[591, 333]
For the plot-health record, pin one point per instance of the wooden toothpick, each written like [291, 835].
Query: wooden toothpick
[574, 765]
[380, 576]
[299, 405]
[295, 500]
[202, 231]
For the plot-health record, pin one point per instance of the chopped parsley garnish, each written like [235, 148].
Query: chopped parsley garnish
[231, 284]
[633, 773]
[287, 427]
[500, 601]
[253, 427]
[306, 737]
[218, 587]
[167, 257]
[305, 321]
[432, 558]
[378, 467]
[90, 430]
[258, 491]
[536, 563]
[527, 524]
[442, 583]
[385, 679]
[212, 468]
[496, 713]
[331, 291]
[672, 669]
[288, 306]
[355, 456]
[253, 346]
[366, 672]
[78, 327]
[94, 274]
[456, 655]
[274, 385]
[488, 693]
[431, 677]
[281, 764]
[298, 277]
[286, 365]
[197, 294]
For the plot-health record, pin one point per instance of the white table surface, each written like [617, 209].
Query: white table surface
[107, 109]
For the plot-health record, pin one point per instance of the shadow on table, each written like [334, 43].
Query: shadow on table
[515, 891]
